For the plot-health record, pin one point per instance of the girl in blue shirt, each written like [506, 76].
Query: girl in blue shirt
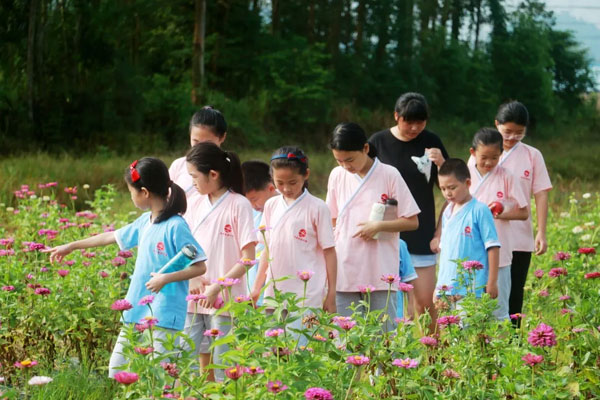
[159, 234]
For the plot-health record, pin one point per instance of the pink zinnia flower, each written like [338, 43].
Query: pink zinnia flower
[63, 272]
[44, 269]
[149, 320]
[404, 321]
[213, 332]
[235, 373]
[126, 378]
[390, 279]
[42, 291]
[226, 282]
[247, 262]
[539, 273]
[405, 287]
[357, 360]
[146, 300]
[103, 274]
[276, 387]
[195, 297]
[562, 256]
[366, 289]
[472, 265]
[125, 254]
[565, 311]
[428, 341]
[253, 370]
[532, 359]
[170, 369]
[219, 303]
[141, 327]
[38, 380]
[143, 350]
[445, 288]
[406, 363]
[25, 364]
[345, 323]
[564, 298]
[242, 299]
[517, 316]
[592, 275]
[543, 293]
[448, 320]
[555, 272]
[305, 275]
[8, 288]
[587, 250]
[274, 332]
[118, 261]
[542, 336]
[450, 373]
[121, 305]
[577, 330]
[318, 394]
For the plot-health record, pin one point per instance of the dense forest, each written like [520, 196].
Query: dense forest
[89, 74]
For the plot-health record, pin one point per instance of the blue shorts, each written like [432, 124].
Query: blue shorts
[423, 260]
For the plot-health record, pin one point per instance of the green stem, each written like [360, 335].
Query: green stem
[351, 381]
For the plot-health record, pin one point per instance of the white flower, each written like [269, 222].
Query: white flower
[9, 209]
[46, 198]
[1, 379]
[586, 237]
[577, 229]
[86, 186]
[573, 201]
[591, 223]
[565, 214]
[33, 196]
[587, 195]
[40, 380]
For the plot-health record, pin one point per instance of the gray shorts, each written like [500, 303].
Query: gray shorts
[378, 298]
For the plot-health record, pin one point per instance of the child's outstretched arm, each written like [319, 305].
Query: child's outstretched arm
[541, 206]
[366, 230]
[329, 304]
[493, 261]
[237, 271]
[158, 281]
[59, 252]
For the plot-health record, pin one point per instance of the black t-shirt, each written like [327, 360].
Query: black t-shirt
[397, 153]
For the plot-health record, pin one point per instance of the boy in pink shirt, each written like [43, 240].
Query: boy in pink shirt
[354, 186]
[493, 185]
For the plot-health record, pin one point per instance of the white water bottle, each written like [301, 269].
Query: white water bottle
[377, 214]
[180, 261]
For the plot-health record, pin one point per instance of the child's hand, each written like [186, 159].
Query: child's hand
[436, 156]
[255, 295]
[434, 245]
[156, 282]
[59, 252]
[329, 304]
[197, 289]
[492, 290]
[211, 294]
[367, 230]
[541, 244]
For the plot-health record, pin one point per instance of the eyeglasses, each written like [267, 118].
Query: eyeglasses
[514, 136]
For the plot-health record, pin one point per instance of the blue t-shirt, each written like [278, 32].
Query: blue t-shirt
[407, 273]
[157, 244]
[468, 234]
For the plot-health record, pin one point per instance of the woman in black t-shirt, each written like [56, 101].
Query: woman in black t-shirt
[417, 153]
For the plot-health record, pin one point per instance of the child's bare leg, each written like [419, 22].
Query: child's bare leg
[205, 360]
[424, 287]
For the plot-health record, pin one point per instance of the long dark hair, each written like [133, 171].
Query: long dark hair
[349, 136]
[153, 174]
[513, 111]
[293, 158]
[208, 156]
[211, 119]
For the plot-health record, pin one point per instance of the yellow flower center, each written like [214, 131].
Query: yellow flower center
[26, 363]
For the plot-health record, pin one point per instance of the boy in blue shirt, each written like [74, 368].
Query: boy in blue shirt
[468, 232]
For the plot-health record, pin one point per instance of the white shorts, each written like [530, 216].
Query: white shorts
[423, 260]
[504, 285]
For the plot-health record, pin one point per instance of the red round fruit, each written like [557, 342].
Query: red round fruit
[496, 208]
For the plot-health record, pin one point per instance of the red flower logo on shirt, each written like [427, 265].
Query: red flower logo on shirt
[526, 174]
[500, 195]
[160, 246]
[302, 233]
[227, 228]
[467, 231]
[384, 198]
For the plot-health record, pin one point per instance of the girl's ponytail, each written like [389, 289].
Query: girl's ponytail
[349, 136]
[176, 203]
[207, 156]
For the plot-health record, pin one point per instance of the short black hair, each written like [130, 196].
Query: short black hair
[257, 175]
[456, 167]
[513, 111]
[487, 137]
[412, 107]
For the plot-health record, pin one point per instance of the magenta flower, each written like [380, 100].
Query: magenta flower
[118, 261]
[8, 288]
[592, 275]
[346, 323]
[532, 359]
[274, 332]
[44, 269]
[247, 262]
[242, 299]
[213, 332]
[226, 282]
[316, 393]
[472, 265]
[143, 350]
[564, 311]
[219, 303]
[450, 373]
[542, 336]
[276, 387]
[583, 250]
[146, 300]
[390, 278]
[149, 320]
[403, 320]
[448, 320]
[543, 293]
[444, 288]
[429, 341]
[562, 256]
[517, 316]
[6, 242]
[539, 273]
[364, 289]
[234, 373]
[357, 360]
[253, 370]
[103, 274]
[141, 327]
[121, 305]
[126, 378]
[305, 275]
[195, 297]
[125, 254]
[405, 287]
[63, 272]
[406, 363]
[565, 297]
[555, 272]
[26, 364]
[42, 291]
[170, 369]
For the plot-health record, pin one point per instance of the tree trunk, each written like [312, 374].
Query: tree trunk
[333, 40]
[406, 30]
[32, 65]
[456, 16]
[275, 17]
[477, 23]
[310, 25]
[360, 26]
[198, 55]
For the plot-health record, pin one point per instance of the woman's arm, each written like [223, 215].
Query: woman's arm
[541, 206]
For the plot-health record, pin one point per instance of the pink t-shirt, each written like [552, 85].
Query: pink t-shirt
[350, 199]
[222, 229]
[179, 174]
[526, 163]
[297, 236]
[499, 185]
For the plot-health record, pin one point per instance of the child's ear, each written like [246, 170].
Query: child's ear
[307, 174]
[213, 174]
[145, 192]
[472, 151]
[396, 117]
[468, 182]
[271, 188]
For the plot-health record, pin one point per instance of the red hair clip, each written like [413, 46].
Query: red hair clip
[135, 175]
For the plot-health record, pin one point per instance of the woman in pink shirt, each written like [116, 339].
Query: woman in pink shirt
[223, 225]
[527, 165]
[354, 186]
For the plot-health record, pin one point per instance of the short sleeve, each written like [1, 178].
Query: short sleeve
[245, 232]
[175, 169]
[181, 236]
[515, 191]
[541, 179]
[331, 199]
[128, 236]
[487, 228]
[471, 161]
[407, 206]
[323, 227]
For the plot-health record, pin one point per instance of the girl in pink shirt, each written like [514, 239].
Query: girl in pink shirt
[495, 186]
[222, 222]
[527, 165]
[300, 236]
[365, 262]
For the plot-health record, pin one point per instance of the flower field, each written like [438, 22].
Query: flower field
[58, 325]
